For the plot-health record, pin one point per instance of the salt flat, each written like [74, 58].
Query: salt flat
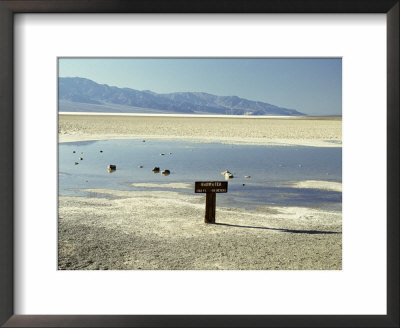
[305, 131]
[165, 230]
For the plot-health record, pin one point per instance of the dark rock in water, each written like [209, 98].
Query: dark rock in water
[156, 169]
[165, 172]
[111, 168]
[76, 163]
[74, 151]
[101, 151]
[80, 158]
[243, 184]
[140, 166]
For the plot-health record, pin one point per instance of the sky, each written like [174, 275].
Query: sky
[310, 85]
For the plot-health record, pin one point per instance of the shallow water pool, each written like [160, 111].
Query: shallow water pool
[271, 169]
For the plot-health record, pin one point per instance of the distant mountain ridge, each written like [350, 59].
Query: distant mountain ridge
[80, 94]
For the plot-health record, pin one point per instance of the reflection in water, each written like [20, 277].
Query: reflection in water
[269, 167]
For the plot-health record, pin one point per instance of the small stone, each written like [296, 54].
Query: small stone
[111, 168]
[228, 175]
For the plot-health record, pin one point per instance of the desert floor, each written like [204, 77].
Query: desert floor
[307, 131]
[165, 230]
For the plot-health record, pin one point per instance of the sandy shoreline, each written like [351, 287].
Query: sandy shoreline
[165, 230]
[304, 131]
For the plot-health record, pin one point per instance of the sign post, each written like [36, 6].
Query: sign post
[210, 188]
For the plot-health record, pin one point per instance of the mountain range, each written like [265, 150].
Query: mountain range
[77, 94]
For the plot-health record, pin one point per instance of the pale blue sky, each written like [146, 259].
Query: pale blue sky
[312, 86]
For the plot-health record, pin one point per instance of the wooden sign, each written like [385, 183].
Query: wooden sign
[210, 188]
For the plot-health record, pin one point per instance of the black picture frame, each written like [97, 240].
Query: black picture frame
[10, 7]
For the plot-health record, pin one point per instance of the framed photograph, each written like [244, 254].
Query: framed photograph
[162, 161]
[183, 164]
